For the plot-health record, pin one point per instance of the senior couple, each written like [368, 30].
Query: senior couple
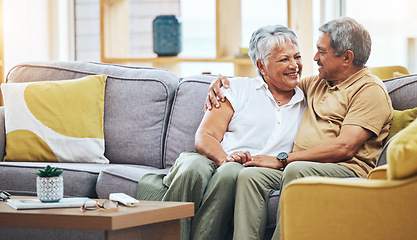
[248, 145]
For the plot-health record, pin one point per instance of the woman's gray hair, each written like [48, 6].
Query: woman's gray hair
[347, 34]
[265, 39]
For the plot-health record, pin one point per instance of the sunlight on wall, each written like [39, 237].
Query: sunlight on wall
[37, 31]
[26, 31]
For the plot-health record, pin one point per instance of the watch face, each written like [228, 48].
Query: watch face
[282, 156]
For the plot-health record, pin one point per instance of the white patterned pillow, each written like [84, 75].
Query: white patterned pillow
[55, 121]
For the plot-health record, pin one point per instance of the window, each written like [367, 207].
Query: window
[199, 30]
[256, 14]
[198, 20]
[393, 28]
[87, 30]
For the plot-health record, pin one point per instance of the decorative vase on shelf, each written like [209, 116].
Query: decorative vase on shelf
[167, 35]
[50, 184]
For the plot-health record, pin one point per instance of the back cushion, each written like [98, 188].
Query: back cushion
[186, 115]
[403, 91]
[136, 106]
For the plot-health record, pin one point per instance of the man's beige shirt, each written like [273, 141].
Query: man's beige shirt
[360, 100]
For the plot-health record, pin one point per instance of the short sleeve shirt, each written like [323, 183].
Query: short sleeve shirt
[360, 100]
[258, 124]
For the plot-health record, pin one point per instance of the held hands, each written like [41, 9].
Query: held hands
[264, 161]
[239, 157]
[247, 160]
[214, 92]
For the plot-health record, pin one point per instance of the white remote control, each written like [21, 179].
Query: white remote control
[123, 199]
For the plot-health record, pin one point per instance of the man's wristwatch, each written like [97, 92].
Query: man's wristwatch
[282, 157]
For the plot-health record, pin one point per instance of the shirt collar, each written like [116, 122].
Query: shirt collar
[298, 96]
[260, 83]
[350, 80]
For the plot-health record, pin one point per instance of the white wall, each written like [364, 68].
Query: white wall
[34, 32]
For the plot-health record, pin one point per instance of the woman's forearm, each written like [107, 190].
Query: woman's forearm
[210, 147]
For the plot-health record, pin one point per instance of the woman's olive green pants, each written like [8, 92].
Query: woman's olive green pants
[229, 195]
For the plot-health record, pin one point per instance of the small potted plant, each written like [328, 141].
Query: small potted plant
[50, 184]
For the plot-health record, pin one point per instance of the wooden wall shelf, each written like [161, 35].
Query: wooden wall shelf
[114, 22]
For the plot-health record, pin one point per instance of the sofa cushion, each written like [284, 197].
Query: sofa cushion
[273, 202]
[122, 178]
[187, 112]
[400, 120]
[55, 121]
[402, 152]
[136, 106]
[80, 179]
[402, 91]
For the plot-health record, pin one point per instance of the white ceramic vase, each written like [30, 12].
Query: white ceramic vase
[50, 189]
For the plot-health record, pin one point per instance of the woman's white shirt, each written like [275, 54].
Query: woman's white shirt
[258, 124]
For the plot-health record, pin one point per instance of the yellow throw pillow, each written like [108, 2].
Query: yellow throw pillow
[55, 121]
[402, 153]
[400, 120]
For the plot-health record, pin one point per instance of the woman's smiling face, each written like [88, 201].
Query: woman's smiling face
[284, 67]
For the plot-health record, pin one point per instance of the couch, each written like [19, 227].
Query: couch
[150, 117]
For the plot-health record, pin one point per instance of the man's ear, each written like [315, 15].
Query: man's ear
[348, 57]
[261, 67]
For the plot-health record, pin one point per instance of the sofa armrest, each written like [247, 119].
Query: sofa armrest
[326, 208]
[378, 173]
[2, 133]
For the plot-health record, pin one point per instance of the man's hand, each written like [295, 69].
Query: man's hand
[214, 92]
[239, 157]
[264, 161]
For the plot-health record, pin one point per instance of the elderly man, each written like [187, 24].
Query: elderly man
[348, 115]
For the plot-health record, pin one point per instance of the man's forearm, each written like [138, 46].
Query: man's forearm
[332, 151]
[343, 147]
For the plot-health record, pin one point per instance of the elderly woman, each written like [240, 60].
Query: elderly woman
[259, 119]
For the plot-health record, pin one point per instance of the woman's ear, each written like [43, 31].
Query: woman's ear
[261, 67]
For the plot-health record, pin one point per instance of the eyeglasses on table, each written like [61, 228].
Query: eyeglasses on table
[106, 205]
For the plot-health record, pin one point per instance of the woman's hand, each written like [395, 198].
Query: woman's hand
[239, 157]
[214, 92]
[264, 161]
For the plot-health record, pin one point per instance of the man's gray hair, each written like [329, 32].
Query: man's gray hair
[265, 39]
[347, 34]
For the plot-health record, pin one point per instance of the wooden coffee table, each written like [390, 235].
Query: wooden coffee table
[148, 220]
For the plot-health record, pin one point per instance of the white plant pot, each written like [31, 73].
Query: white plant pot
[50, 189]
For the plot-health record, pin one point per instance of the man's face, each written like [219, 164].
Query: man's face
[330, 66]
